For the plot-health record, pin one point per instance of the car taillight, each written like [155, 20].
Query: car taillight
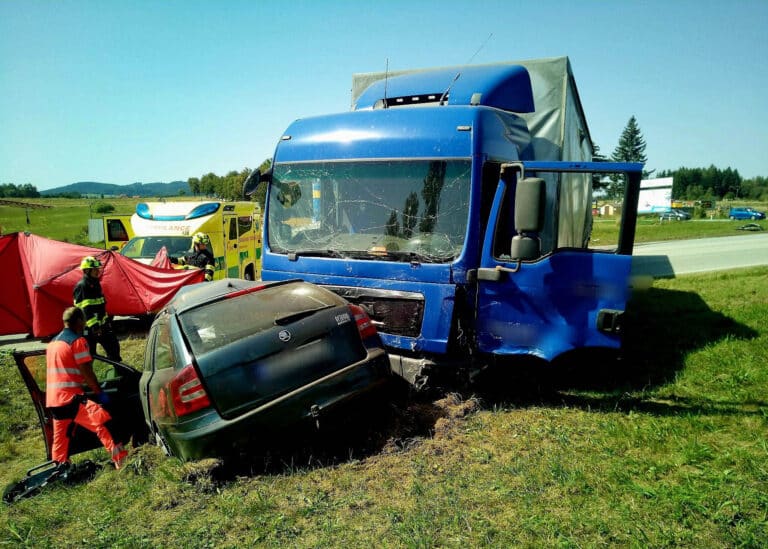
[187, 393]
[363, 321]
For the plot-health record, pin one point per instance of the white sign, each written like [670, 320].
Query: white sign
[655, 195]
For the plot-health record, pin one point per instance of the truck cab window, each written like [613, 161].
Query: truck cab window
[504, 230]
[393, 210]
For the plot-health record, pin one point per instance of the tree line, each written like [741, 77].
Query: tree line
[229, 186]
[688, 183]
[9, 190]
[714, 183]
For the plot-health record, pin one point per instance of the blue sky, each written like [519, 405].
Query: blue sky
[164, 90]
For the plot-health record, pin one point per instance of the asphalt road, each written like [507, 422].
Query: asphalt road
[676, 257]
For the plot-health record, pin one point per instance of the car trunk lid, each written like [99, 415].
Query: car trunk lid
[288, 337]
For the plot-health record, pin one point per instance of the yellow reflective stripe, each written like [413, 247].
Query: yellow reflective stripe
[64, 384]
[66, 370]
[91, 322]
[88, 302]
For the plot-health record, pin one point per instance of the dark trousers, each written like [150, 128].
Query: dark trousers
[108, 340]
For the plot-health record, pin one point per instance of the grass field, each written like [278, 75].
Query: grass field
[668, 447]
[61, 218]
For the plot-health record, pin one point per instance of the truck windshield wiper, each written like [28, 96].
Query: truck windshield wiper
[363, 254]
[420, 257]
[293, 255]
[392, 255]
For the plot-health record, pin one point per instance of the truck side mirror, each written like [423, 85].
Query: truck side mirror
[529, 217]
[252, 181]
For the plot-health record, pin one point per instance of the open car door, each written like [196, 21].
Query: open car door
[120, 381]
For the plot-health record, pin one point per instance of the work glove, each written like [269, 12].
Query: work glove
[102, 398]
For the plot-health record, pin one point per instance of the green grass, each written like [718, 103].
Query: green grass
[669, 447]
[65, 220]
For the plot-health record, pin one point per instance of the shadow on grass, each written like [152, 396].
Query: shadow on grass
[661, 328]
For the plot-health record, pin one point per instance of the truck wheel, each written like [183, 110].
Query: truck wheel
[248, 273]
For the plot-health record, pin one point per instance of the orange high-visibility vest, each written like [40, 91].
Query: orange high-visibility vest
[64, 379]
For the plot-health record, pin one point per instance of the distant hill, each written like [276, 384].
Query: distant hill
[174, 188]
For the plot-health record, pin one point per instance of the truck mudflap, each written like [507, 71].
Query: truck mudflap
[46, 474]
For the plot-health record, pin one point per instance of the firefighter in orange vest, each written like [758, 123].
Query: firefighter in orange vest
[69, 368]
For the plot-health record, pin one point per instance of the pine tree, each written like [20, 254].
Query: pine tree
[631, 148]
[599, 180]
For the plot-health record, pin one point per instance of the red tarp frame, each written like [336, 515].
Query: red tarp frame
[37, 276]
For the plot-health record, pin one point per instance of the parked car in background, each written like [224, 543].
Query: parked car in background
[119, 381]
[232, 362]
[745, 213]
[674, 215]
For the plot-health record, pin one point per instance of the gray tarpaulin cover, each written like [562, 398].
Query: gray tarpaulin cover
[558, 130]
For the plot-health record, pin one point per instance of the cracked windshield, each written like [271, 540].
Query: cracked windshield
[384, 210]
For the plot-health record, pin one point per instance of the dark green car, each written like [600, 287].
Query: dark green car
[233, 362]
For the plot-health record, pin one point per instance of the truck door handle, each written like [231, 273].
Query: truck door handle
[494, 274]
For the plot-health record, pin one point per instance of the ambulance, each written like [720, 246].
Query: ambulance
[233, 227]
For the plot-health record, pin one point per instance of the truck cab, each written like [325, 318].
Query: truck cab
[460, 231]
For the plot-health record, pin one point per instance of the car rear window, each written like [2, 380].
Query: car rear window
[231, 319]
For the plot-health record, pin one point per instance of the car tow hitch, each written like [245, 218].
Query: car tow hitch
[49, 473]
[314, 411]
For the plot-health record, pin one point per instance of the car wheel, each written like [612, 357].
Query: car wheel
[754, 217]
[732, 218]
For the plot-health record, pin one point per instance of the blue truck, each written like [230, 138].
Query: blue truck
[455, 206]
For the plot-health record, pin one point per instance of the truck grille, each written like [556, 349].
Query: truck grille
[392, 312]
